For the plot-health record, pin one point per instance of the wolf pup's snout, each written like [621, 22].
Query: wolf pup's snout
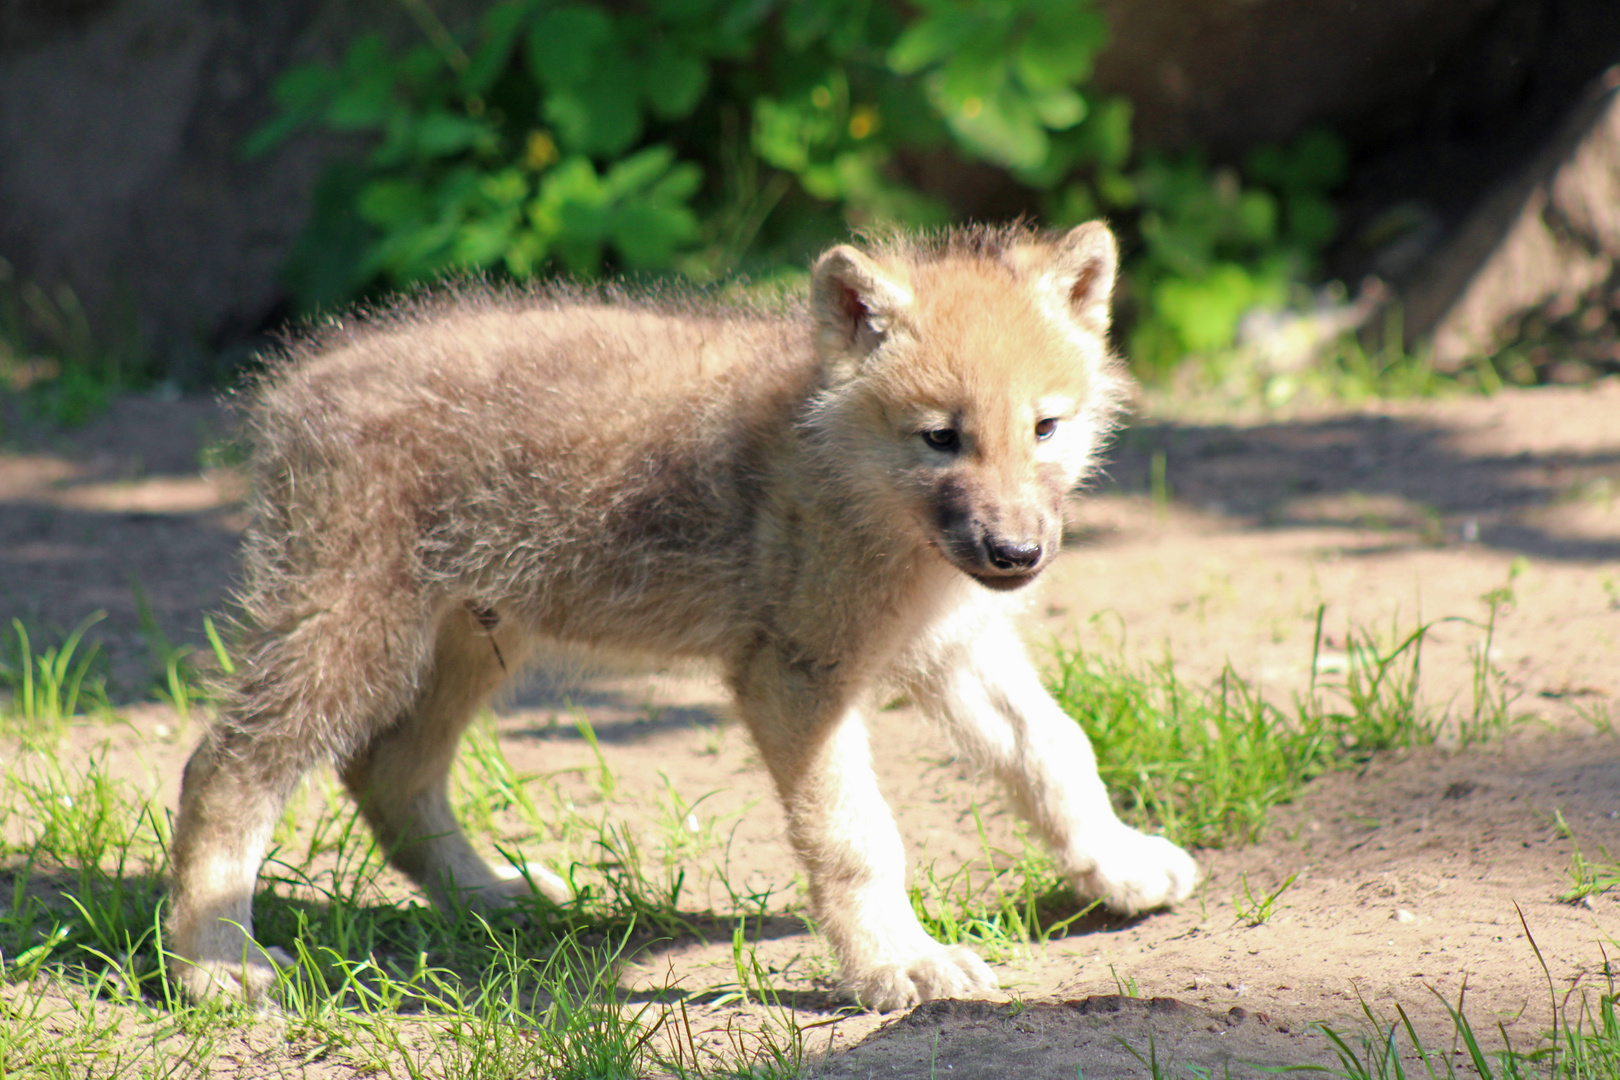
[998, 545]
[1013, 556]
[1007, 562]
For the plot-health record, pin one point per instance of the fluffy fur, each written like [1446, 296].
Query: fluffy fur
[833, 501]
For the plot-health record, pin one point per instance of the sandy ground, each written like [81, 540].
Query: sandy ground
[1413, 876]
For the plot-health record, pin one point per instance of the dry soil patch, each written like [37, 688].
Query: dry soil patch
[1412, 873]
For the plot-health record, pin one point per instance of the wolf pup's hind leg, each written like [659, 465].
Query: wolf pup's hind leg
[303, 696]
[229, 805]
[401, 778]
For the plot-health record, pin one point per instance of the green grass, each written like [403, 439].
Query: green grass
[1252, 910]
[1206, 764]
[999, 906]
[46, 688]
[54, 360]
[1588, 877]
[1349, 370]
[1582, 1044]
[385, 984]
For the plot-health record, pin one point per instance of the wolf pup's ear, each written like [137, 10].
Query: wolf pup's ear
[1082, 269]
[854, 302]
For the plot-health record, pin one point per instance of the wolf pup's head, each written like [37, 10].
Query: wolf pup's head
[969, 382]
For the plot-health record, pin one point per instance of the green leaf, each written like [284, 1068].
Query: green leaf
[972, 73]
[483, 242]
[601, 114]
[682, 182]
[326, 267]
[1106, 132]
[1117, 190]
[564, 42]
[637, 171]
[1317, 161]
[824, 182]
[1312, 221]
[1257, 216]
[271, 134]
[505, 188]
[305, 88]
[683, 11]
[1058, 109]
[441, 133]
[1057, 50]
[456, 188]
[500, 29]
[1071, 205]
[1183, 251]
[1003, 129]
[805, 22]
[787, 134]
[736, 30]
[1205, 311]
[933, 39]
[525, 253]
[390, 203]
[673, 83]
[398, 144]
[366, 59]
[364, 102]
[647, 233]
[424, 70]
[572, 180]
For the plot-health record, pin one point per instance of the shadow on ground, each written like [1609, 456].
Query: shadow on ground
[1371, 472]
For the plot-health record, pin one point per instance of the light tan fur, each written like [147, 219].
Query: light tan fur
[833, 501]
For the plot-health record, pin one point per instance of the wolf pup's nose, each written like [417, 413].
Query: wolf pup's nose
[1014, 555]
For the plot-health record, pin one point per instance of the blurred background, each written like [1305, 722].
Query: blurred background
[1361, 192]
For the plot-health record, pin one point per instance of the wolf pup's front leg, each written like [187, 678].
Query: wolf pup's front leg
[844, 834]
[990, 696]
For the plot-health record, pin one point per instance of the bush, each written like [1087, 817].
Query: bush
[699, 136]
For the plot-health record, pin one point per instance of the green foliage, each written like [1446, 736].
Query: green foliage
[1011, 899]
[381, 983]
[45, 688]
[1204, 765]
[580, 138]
[529, 147]
[54, 360]
[1216, 243]
[1588, 877]
[691, 136]
[1582, 1044]
[1254, 910]
[1207, 764]
[1004, 75]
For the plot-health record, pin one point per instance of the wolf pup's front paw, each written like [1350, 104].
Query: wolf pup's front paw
[953, 971]
[1134, 872]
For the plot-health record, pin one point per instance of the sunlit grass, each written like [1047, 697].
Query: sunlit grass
[1205, 764]
[385, 984]
[1583, 1042]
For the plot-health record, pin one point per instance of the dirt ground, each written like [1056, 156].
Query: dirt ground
[1211, 539]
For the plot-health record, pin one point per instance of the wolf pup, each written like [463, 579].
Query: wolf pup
[835, 503]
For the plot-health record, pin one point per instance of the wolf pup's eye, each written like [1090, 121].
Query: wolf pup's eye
[943, 439]
[1045, 428]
